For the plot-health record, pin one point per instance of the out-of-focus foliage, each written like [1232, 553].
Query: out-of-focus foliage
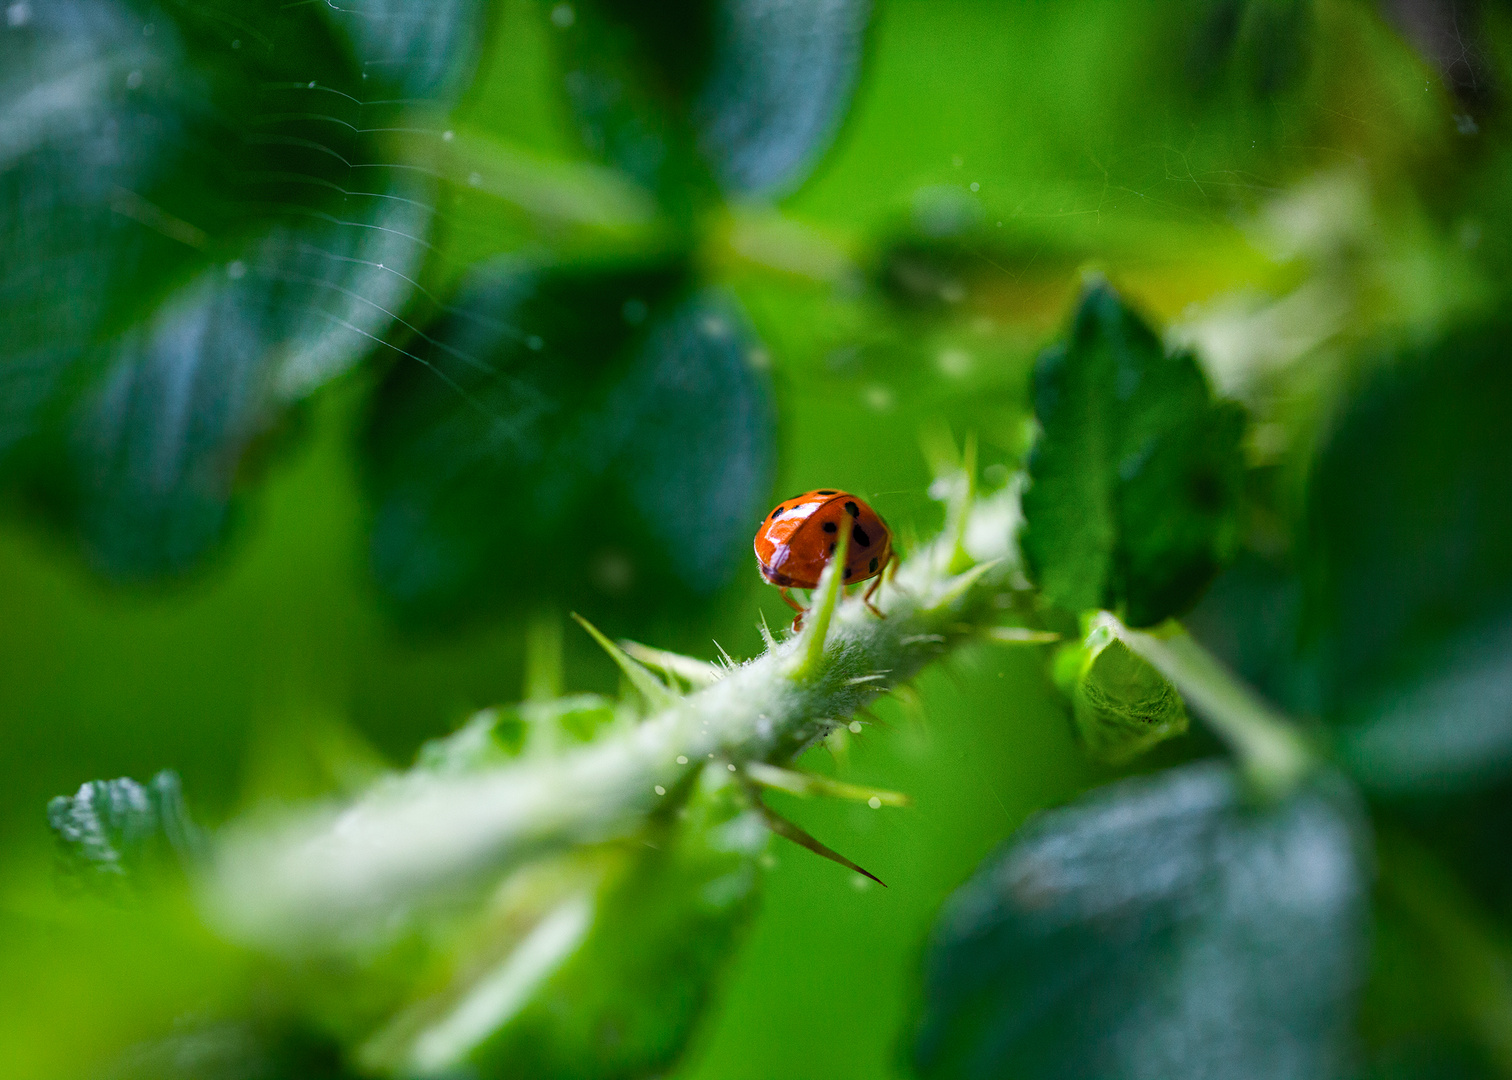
[201, 227]
[561, 435]
[115, 828]
[388, 333]
[1160, 928]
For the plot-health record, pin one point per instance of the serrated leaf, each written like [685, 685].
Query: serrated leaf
[749, 92]
[113, 829]
[598, 965]
[1160, 927]
[200, 226]
[1136, 476]
[567, 432]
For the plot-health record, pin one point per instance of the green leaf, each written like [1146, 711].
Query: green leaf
[1408, 575]
[1136, 476]
[592, 436]
[202, 225]
[1161, 927]
[114, 829]
[598, 964]
[1122, 705]
[747, 92]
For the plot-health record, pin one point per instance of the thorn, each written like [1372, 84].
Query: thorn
[783, 827]
[859, 679]
[543, 656]
[766, 633]
[1021, 635]
[805, 784]
[958, 587]
[919, 639]
[695, 671]
[729, 663]
[656, 693]
[822, 606]
[910, 702]
[946, 467]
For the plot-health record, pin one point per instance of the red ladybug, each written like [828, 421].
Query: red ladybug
[795, 542]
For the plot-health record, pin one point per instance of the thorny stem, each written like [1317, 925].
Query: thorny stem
[1271, 751]
[324, 874]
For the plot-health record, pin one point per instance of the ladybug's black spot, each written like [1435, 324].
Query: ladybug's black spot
[775, 513]
[830, 526]
[874, 565]
[826, 493]
[849, 570]
[861, 537]
[852, 509]
[832, 549]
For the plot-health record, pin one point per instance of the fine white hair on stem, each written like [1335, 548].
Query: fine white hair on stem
[329, 873]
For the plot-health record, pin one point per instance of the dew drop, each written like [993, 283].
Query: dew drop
[682, 759]
[660, 790]
[855, 726]
[874, 802]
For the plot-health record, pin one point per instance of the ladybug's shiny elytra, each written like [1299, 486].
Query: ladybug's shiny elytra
[795, 542]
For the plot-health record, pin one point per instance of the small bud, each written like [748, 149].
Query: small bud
[1121, 704]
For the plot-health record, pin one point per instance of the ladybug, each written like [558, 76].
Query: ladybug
[795, 542]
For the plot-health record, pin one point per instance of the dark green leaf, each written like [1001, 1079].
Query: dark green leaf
[1409, 573]
[577, 434]
[750, 90]
[199, 226]
[1262, 45]
[1160, 928]
[115, 828]
[1136, 476]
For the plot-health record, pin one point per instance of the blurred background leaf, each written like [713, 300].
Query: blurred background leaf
[1156, 928]
[203, 227]
[743, 94]
[570, 434]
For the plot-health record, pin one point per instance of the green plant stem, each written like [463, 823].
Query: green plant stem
[330, 870]
[1271, 750]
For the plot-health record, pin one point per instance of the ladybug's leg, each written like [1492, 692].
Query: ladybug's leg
[875, 585]
[802, 611]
